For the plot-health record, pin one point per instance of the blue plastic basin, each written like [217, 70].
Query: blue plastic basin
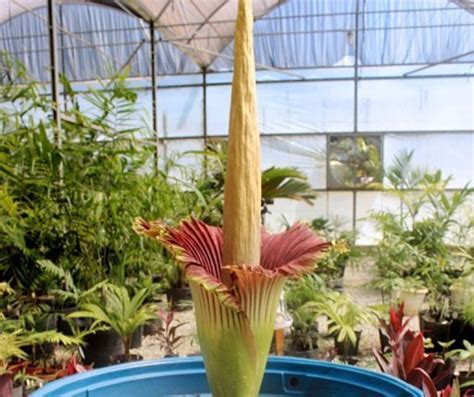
[284, 376]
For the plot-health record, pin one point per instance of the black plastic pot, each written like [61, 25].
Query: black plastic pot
[436, 331]
[152, 327]
[463, 378]
[102, 347]
[346, 348]
[137, 337]
[120, 358]
[461, 330]
[64, 324]
[302, 353]
[179, 298]
[384, 341]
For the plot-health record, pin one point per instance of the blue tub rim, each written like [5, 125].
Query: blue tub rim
[195, 363]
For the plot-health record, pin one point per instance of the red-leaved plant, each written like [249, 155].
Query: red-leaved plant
[167, 336]
[409, 360]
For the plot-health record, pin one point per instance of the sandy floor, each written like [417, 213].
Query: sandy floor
[355, 280]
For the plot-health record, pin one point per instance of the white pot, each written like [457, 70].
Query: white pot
[413, 300]
[460, 295]
[17, 391]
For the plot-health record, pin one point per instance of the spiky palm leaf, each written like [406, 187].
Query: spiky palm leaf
[288, 183]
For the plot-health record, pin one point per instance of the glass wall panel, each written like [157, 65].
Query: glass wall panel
[416, 104]
[453, 153]
[287, 212]
[366, 203]
[300, 107]
[307, 153]
[340, 209]
[177, 158]
[180, 112]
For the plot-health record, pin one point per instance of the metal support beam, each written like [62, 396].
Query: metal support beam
[154, 107]
[356, 105]
[55, 95]
[356, 67]
[204, 104]
[442, 62]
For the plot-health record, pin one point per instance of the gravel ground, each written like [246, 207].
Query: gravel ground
[355, 280]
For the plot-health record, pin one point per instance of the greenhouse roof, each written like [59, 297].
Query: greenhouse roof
[195, 34]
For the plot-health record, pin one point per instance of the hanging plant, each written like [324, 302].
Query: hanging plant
[236, 274]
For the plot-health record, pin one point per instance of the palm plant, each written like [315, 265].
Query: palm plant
[277, 183]
[287, 183]
[345, 317]
[120, 312]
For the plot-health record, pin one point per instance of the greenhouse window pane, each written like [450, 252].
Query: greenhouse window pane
[452, 153]
[354, 161]
[178, 158]
[416, 104]
[180, 111]
[366, 203]
[306, 153]
[139, 117]
[340, 209]
[287, 212]
[299, 107]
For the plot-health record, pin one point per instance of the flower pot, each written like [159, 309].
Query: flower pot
[437, 331]
[284, 376]
[120, 358]
[460, 295]
[465, 377]
[137, 337]
[101, 347]
[179, 298]
[413, 300]
[346, 348]
[302, 353]
[461, 330]
[6, 385]
[384, 341]
[17, 391]
[152, 327]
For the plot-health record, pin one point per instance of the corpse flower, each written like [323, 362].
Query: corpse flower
[236, 274]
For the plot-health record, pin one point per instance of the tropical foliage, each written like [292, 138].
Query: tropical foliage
[120, 312]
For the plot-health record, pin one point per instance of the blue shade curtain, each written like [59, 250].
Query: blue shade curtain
[297, 34]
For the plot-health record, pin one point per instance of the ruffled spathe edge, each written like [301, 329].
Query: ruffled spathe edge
[198, 247]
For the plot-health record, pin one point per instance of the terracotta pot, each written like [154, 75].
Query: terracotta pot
[413, 300]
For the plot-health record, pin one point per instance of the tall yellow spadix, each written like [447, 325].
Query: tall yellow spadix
[242, 194]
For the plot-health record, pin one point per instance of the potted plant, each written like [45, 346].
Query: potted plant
[303, 337]
[464, 356]
[345, 321]
[416, 246]
[167, 333]
[408, 361]
[436, 323]
[121, 313]
[341, 252]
